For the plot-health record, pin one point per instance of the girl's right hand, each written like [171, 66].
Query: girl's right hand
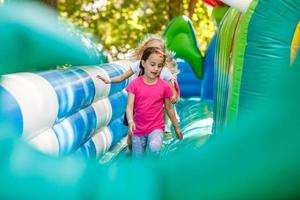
[103, 79]
[131, 126]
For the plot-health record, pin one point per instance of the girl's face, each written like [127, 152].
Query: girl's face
[153, 65]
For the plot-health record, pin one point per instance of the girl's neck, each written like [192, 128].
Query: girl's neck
[149, 81]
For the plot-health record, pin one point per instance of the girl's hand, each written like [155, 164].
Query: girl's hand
[177, 98]
[103, 79]
[178, 133]
[174, 99]
[131, 126]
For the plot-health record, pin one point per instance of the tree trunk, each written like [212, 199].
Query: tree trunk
[191, 8]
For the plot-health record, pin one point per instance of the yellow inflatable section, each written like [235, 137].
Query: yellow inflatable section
[295, 43]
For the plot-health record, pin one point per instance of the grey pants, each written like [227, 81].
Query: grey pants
[151, 143]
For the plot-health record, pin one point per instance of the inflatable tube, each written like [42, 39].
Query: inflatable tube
[59, 110]
[223, 67]
[13, 118]
[36, 99]
[73, 87]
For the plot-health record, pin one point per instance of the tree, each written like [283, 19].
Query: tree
[120, 24]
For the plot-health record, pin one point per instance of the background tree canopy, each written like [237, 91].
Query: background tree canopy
[120, 24]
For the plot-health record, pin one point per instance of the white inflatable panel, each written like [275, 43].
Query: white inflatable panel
[46, 142]
[108, 136]
[102, 89]
[241, 5]
[103, 112]
[100, 142]
[37, 100]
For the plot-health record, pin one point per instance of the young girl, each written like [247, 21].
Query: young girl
[150, 41]
[148, 96]
[166, 74]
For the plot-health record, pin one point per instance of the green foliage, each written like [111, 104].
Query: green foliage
[121, 24]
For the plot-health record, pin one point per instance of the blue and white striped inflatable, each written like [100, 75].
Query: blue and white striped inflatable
[67, 110]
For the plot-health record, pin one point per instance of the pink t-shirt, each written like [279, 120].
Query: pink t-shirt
[148, 104]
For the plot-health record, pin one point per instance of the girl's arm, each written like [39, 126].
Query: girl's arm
[167, 75]
[129, 112]
[174, 99]
[171, 113]
[116, 79]
[122, 77]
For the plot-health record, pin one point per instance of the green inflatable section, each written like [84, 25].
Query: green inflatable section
[259, 51]
[180, 37]
[257, 159]
[239, 42]
[218, 13]
[30, 36]
[268, 50]
[223, 65]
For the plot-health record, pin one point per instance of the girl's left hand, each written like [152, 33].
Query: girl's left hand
[174, 99]
[178, 133]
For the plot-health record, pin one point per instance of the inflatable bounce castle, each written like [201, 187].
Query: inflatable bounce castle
[254, 152]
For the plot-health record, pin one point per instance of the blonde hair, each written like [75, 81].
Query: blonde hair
[172, 66]
[144, 44]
